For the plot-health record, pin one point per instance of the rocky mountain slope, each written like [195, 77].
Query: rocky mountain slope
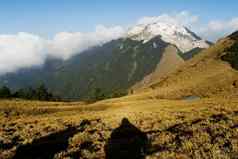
[115, 66]
[170, 32]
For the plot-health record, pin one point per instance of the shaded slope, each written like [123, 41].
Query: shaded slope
[190, 54]
[113, 67]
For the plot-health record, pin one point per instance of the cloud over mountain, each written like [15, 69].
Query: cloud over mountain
[182, 18]
[65, 44]
[219, 28]
[25, 50]
[212, 30]
[20, 51]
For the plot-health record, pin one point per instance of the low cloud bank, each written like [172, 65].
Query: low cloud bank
[21, 51]
[65, 44]
[25, 50]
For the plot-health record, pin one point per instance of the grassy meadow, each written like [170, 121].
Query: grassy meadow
[199, 128]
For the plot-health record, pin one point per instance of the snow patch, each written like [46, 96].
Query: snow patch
[170, 32]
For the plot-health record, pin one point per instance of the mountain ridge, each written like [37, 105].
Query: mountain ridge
[172, 33]
[112, 67]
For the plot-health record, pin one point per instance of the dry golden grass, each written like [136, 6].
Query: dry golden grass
[206, 128]
[198, 128]
[206, 75]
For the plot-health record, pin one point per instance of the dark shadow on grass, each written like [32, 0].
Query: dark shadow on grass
[46, 147]
[127, 142]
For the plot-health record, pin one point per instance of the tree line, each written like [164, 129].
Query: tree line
[29, 93]
[41, 93]
[98, 94]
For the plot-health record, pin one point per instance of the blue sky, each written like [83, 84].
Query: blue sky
[33, 30]
[47, 17]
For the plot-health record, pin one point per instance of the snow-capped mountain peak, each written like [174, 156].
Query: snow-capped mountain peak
[170, 32]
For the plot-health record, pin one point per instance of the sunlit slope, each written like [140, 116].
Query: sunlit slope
[170, 61]
[206, 75]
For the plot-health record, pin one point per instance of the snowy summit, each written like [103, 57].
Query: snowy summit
[170, 32]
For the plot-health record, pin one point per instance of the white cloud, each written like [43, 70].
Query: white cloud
[20, 51]
[26, 50]
[183, 18]
[65, 44]
[219, 28]
[212, 30]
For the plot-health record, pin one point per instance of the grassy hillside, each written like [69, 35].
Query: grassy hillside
[200, 122]
[211, 73]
